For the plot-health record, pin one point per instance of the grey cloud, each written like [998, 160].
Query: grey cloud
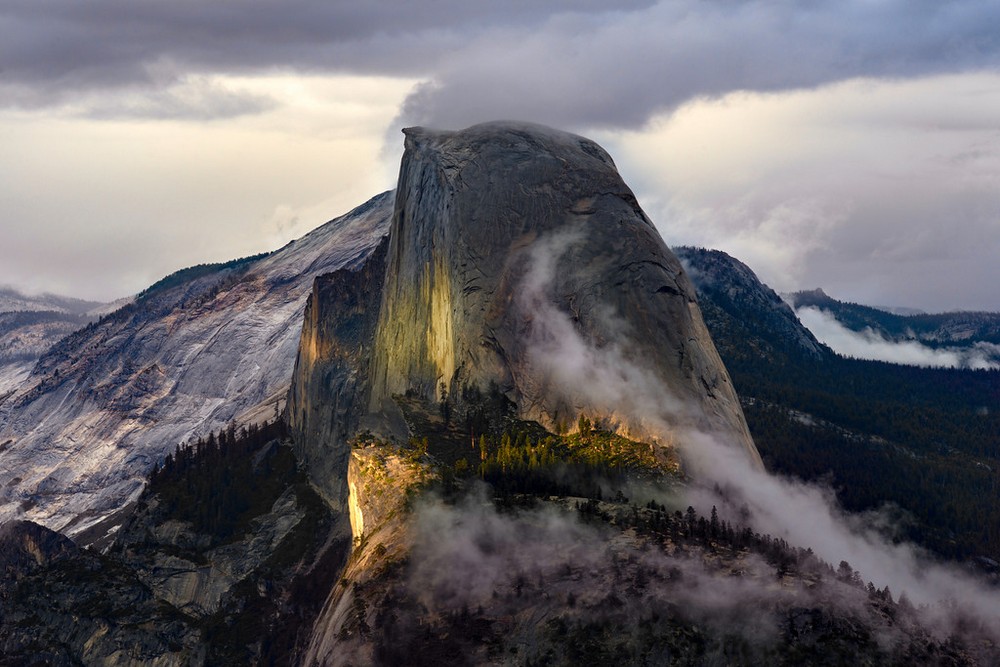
[564, 63]
[883, 191]
[618, 69]
[911, 247]
[59, 47]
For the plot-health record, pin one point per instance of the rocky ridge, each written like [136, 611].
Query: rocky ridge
[195, 352]
[738, 307]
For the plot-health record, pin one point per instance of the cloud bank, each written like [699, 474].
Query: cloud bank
[566, 63]
[895, 183]
[868, 344]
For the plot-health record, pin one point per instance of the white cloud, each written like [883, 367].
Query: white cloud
[102, 209]
[884, 191]
[868, 344]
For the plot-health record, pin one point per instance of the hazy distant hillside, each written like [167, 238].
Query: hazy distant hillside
[939, 329]
[27, 335]
[29, 331]
[12, 300]
[31, 325]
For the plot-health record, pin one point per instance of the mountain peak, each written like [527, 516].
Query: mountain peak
[519, 262]
[528, 139]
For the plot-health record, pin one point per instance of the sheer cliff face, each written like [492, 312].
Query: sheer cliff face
[518, 256]
[325, 398]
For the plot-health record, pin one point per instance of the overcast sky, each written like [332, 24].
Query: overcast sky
[852, 145]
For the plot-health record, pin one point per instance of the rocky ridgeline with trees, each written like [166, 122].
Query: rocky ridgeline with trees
[229, 553]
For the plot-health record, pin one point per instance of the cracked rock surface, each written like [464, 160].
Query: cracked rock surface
[514, 245]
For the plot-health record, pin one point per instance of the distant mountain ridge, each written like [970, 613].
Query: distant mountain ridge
[952, 329]
[13, 300]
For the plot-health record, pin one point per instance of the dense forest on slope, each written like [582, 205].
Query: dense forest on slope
[562, 579]
[225, 559]
[198, 271]
[221, 482]
[924, 440]
[927, 440]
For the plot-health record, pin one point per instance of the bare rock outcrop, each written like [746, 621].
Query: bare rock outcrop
[519, 257]
[325, 401]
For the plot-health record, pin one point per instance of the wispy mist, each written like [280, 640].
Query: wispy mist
[470, 555]
[804, 514]
[869, 344]
[604, 379]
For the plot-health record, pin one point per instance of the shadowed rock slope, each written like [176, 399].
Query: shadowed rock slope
[746, 317]
[331, 371]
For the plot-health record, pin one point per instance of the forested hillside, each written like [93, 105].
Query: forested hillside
[926, 441]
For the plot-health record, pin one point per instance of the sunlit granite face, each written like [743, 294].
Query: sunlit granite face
[512, 245]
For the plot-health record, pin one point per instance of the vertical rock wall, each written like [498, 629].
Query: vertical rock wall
[476, 214]
[326, 398]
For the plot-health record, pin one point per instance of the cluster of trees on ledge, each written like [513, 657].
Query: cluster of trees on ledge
[522, 457]
[220, 482]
